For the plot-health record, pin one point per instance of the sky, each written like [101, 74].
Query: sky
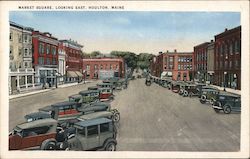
[138, 32]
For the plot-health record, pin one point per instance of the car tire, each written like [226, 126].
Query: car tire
[110, 146]
[227, 109]
[116, 117]
[185, 93]
[203, 99]
[216, 110]
[50, 146]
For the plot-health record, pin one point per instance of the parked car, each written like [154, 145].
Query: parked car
[106, 94]
[106, 85]
[176, 86]
[227, 102]
[37, 116]
[93, 134]
[208, 95]
[75, 98]
[37, 134]
[191, 89]
[93, 88]
[89, 96]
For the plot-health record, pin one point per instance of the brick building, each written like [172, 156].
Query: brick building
[99, 68]
[228, 58]
[200, 62]
[210, 62]
[45, 57]
[177, 65]
[73, 60]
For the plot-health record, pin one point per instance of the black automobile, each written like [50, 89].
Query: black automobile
[227, 102]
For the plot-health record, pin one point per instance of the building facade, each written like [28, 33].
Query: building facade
[177, 65]
[45, 58]
[73, 60]
[200, 62]
[228, 58]
[210, 62]
[21, 73]
[99, 68]
[61, 63]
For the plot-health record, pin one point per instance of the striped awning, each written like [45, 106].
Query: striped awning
[71, 74]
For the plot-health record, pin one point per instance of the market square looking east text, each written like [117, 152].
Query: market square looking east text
[69, 7]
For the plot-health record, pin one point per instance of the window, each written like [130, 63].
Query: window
[81, 132]
[11, 49]
[92, 130]
[26, 51]
[25, 38]
[11, 36]
[53, 50]
[54, 61]
[40, 60]
[101, 67]
[19, 38]
[230, 64]
[48, 49]
[41, 48]
[25, 64]
[88, 67]
[104, 127]
[236, 63]
[36, 131]
[48, 61]
[110, 67]
[171, 58]
[231, 49]
[95, 67]
[236, 46]
[225, 66]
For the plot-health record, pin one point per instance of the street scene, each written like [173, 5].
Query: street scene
[150, 87]
[166, 122]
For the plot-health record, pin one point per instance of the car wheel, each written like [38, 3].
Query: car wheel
[50, 146]
[111, 146]
[185, 94]
[116, 117]
[227, 109]
[203, 99]
[216, 110]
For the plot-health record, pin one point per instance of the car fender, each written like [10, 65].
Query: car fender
[108, 140]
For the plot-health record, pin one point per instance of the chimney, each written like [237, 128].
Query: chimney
[175, 50]
[225, 29]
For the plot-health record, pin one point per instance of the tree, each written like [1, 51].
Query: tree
[95, 53]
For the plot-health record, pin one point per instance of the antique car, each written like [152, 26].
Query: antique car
[191, 89]
[167, 83]
[208, 95]
[89, 96]
[106, 85]
[37, 134]
[75, 98]
[227, 102]
[93, 134]
[37, 116]
[63, 111]
[148, 82]
[106, 94]
[176, 86]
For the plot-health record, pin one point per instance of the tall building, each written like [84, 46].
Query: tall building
[177, 65]
[73, 60]
[21, 73]
[228, 58]
[104, 67]
[45, 58]
[200, 62]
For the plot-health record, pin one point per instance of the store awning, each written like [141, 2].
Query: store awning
[71, 74]
[79, 73]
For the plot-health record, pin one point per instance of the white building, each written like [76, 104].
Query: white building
[61, 63]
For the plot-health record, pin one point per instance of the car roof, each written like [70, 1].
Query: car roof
[99, 84]
[75, 96]
[229, 94]
[63, 104]
[88, 92]
[37, 123]
[90, 122]
[37, 114]
[94, 115]
[93, 88]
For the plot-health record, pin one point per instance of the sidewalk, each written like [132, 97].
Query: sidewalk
[228, 90]
[45, 90]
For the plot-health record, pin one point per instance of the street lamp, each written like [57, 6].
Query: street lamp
[225, 81]
[84, 73]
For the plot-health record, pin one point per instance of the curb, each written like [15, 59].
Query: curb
[28, 94]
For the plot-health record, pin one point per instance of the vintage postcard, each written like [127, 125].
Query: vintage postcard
[163, 79]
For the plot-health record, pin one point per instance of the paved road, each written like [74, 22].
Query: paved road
[19, 107]
[154, 118]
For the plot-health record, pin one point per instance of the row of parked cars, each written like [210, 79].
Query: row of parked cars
[85, 121]
[220, 100]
